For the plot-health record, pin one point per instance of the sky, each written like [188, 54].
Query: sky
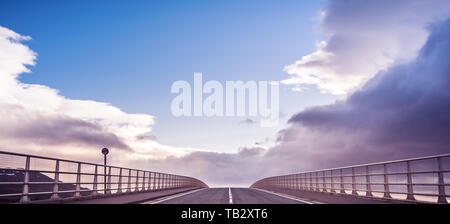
[153, 44]
[360, 82]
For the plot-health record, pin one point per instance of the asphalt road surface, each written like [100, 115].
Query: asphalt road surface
[227, 196]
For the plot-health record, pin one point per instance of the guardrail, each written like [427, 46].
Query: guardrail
[415, 179]
[24, 178]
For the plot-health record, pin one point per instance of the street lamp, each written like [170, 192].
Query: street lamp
[105, 152]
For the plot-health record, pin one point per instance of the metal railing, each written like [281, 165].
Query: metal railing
[24, 178]
[415, 179]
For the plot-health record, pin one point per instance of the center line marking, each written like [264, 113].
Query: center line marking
[230, 196]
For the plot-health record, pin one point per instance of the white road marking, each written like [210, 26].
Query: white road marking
[230, 196]
[285, 196]
[172, 197]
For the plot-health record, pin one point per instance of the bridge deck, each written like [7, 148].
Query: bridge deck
[232, 196]
[256, 196]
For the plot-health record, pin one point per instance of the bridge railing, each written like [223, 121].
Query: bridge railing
[415, 179]
[24, 178]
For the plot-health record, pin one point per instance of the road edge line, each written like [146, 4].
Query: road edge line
[285, 196]
[172, 196]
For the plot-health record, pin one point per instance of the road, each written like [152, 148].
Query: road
[227, 196]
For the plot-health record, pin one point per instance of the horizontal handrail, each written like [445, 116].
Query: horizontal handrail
[335, 181]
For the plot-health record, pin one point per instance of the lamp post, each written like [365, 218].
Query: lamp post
[105, 152]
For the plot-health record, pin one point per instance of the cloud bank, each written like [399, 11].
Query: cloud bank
[360, 38]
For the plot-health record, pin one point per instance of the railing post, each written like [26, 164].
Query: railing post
[297, 182]
[95, 185]
[149, 181]
[55, 182]
[342, 190]
[166, 181]
[143, 182]
[323, 182]
[159, 181]
[129, 181]
[304, 182]
[294, 181]
[26, 179]
[108, 186]
[120, 182]
[310, 182]
[317, 181]
[354, 182]
[288, 182]
[154, 181]
[368, 184]
[136, 187]
[441, 185]
[333, 190]
[78, 185]
[410, 195]
[300, 184]
[387, 194]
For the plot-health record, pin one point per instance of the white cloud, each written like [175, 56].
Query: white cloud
[362, 38]
[37, 119]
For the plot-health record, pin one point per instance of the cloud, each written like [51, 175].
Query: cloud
[146, 137]
[401, 112]
[248, 121]
[217, 169]
[361, 38]
[37, 119]
[54, 130]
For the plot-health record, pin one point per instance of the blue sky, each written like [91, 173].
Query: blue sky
[367, 53]
[129, 54]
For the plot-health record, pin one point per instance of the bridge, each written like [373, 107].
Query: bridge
[37, 179]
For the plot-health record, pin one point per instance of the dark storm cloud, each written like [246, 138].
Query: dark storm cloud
[406, 104]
